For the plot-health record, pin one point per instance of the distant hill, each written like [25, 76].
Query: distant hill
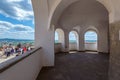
[7, 39]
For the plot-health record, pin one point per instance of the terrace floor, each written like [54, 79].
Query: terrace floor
[3, 58]
[77, 66]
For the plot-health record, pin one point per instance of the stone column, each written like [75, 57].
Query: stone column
[81, 41]
[66, 41]
[44, 37]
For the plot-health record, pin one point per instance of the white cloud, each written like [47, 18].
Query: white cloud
[90, 35]
[29, 2]
[17, 9]
[16, 31]
[22, 28]
[15, 27]
[5, 25]
[14, 0]
[18, 35]
[22, 14]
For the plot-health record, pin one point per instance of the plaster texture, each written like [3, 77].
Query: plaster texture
[114, 69]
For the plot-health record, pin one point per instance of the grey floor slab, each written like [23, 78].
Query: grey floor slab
[77, 66]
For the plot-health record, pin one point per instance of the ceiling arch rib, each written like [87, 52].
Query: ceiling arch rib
[60, 5]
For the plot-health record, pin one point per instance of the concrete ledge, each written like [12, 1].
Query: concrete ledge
[81, 51]
[91, 50]
[7, 64]
[104, 52]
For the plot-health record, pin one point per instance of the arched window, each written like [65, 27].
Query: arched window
[56, 37]
[72, 37]
[59, 38]
[59, 35]
[73, 41]
[91, 39]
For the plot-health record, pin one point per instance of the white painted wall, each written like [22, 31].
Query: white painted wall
[58, 47]
[73, 46]
[27, 69]
[43, 36]
[91, 46]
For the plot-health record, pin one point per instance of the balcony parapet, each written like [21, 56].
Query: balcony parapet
[7, 64]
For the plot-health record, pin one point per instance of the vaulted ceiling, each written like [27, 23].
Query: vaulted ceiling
[56, 7]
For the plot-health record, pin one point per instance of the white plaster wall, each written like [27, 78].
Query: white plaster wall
[27, 69]
[43, 36]
[116, 10]
[72, 46]
[88, 46]
[58, 47]
[91, 46]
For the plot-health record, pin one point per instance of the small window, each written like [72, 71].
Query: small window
[56, 37]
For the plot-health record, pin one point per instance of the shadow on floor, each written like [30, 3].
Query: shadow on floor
[78, 66]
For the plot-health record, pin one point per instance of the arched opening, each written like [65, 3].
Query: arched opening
[59, 8]
[73, 41]
[91, 40]
[59, 40]
[56, 37]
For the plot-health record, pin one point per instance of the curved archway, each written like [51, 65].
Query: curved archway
[60, 38]
[73, 41]
[60, 5]
[91, 40]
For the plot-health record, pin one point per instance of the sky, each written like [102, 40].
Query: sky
[16, 19]
[56, 36]
[89, 35]
[72, 36]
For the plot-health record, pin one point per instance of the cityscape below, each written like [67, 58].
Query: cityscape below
[10, 48]
[15, 41]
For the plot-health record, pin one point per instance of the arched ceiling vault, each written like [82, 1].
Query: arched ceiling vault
[60, 5]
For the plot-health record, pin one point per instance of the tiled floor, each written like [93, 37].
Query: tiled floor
[77, 66]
